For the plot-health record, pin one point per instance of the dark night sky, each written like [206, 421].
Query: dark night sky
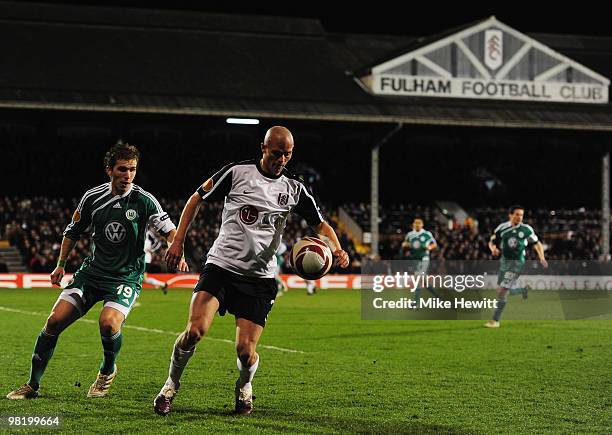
[406, 17]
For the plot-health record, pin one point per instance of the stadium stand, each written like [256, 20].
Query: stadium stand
[34, 225]
[568, 234]
[235, 72]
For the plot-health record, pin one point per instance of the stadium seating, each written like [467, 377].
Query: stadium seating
[35, 224]
[568, 234]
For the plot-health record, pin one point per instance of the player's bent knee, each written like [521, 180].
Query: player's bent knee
[109, 326]
[246, 351]
[54, 325]
[195, 333]
[106, 329]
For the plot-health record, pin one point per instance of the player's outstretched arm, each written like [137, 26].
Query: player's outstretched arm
[326, 230]
[174, 254]
[539, 248]
[494, 249]
[59, 271]
[182, 265]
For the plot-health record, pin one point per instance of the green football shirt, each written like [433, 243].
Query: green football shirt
[119, 224]
[418, 242]
[513, 240]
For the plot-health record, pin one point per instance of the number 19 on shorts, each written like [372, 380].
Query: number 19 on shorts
[125, 291]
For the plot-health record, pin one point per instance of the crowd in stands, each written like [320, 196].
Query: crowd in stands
[567, 234]
[35, 226]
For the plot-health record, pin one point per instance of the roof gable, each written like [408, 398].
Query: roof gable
[488, 60]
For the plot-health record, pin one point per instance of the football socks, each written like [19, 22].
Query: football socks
[178, 362]
[111, 346]
[246, 373]
[501, 304]
[43, 351]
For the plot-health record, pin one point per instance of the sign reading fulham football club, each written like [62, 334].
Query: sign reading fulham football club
[488, 61]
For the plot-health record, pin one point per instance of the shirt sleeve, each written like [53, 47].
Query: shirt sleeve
[218, 186]
[307, 207]
[81, 219]
[533, 238]
[496, 236]
[431, 239]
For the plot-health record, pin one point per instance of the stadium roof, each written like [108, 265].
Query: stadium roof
[134, 60]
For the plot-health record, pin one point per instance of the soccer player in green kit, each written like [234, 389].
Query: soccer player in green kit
[118, 213]
[510, 239]
[418, 244]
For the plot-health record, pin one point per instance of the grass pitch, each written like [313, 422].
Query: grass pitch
[333, 372]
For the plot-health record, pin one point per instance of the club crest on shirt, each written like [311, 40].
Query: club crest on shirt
[283, 198]
[131, 214]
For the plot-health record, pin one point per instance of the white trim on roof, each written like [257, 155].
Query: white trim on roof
[484, 82]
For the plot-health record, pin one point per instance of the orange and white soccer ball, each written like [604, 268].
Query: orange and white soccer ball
[311, 258]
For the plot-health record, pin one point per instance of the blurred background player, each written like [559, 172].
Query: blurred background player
[118, 213]
[280, 261]
[311, 287]
[152, 244]
[417, 246]
[511, 239]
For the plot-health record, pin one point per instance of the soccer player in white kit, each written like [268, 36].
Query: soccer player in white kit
[238, 275]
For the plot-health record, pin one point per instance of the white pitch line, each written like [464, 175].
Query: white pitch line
[157, 331]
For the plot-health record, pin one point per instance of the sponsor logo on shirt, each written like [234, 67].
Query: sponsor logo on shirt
[248, 214]
[115, 232]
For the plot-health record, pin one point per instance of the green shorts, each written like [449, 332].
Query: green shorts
[509, 273]
[419, 266]
[84, 292]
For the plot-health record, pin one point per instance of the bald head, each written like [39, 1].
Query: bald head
[277, 149]
[278, 134]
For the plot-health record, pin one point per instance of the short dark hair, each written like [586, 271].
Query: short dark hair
[120, 151]
[515, 207]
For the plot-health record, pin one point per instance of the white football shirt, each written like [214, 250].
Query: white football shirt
[255, 211]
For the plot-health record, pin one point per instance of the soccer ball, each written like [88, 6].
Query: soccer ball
[310, 258]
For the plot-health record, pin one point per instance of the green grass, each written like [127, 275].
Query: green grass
[353, 375]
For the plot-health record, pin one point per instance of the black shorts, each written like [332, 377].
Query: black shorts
[243, 296]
